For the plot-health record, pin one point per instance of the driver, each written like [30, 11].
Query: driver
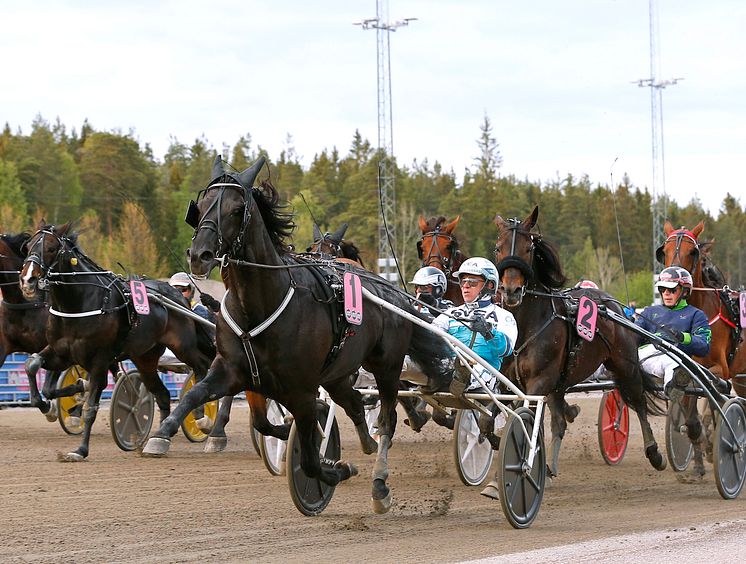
[483, 326]
[183, 284]
[678, 323]
[430, 286]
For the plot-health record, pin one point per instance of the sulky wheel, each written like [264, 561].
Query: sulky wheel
[70, 408]
[189, 426]
[729, 451]
[521, 488]
[271, 449]
[613, 427]
[679, 449]
[310, 495]
[473, 454]
[131, 412]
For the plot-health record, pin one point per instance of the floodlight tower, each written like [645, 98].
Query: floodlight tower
[656, 85]
[386, 173]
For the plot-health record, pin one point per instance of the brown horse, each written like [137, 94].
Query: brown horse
[549, 356]
[439, 247]
[709, 294]
[333, 245]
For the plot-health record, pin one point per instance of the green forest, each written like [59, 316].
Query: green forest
[129, 205]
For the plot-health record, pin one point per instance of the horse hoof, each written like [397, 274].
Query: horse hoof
[85, 383]
[51, 415]
[71, 457]
[656, 459]
[204, 424]
[572, 412]
[73, 421]
[216, 444]
[156, 446]
[347, 468]
[381, 506]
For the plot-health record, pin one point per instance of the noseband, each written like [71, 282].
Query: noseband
[215, 225]
[435, 254]
[37, 258]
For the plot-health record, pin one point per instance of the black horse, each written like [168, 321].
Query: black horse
[93, 322]
[549, 355]
[276, 330]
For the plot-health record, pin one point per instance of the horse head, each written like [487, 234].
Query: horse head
[438, 246]
[680, 247]
[44, 250]
[524, 259]
[328, 243]
[220, 216]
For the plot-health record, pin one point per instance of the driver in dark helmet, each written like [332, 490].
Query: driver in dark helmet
[677, 322]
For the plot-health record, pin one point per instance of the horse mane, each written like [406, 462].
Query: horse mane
[15, 241]
[547, 265]
[350, 251]
[434, 222]
[279, 223]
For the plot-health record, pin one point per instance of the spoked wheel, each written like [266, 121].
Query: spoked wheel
[131, 412]
[679, 449]
[521, 488]
[613, 427]
[310, 495]
[70, 409]
[473, 455]
[189, 425]
[729, 453]
[271, 449]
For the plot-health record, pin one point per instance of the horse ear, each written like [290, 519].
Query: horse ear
[706, 248]
[423, 224]
[248, 176]
[451, 226]
[65, 228]
[698, 229]
[218, 169]
[339, 234]
[530, 221]
[667, 228]
[316, 233]
[42, 224]
[500, 222]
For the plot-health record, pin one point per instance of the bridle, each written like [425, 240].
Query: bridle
[193, 217]
[513, 260]
[334, 247]
[435, 254]
[37, 258]
[678, 236]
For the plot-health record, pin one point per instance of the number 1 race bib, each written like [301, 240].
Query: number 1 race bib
[353, 298]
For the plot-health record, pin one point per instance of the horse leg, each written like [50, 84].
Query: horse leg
[217, 440]
[147, 365]
[696, 435]
[219, 382]
[307, 425]
[33, 364]
[349, 399]
[98, 380]
[556, 403]
[258, 405]
[388, 389]
[637, 389]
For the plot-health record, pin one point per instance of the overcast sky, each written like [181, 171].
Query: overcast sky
[554, 76]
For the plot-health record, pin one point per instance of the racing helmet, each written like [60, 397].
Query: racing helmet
[479, 266]
[675, 276]
[431, 276]
[181, 280]
[587, 284]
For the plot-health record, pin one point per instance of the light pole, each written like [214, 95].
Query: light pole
[386, 173]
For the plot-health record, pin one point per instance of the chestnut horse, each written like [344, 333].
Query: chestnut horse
[439, 247]
[727, 357]
[549, 356]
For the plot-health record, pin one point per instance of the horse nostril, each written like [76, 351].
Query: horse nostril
[207, 256]
[189, 252]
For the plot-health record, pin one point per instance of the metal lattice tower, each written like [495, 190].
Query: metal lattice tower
[386, 170]
[656, 85]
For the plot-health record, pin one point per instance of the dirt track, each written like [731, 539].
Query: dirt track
[193, 506]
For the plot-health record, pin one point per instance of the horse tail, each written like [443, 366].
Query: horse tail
[206, 340]
[652, 394]
[432, 355]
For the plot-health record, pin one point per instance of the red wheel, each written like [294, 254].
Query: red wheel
[613, 427]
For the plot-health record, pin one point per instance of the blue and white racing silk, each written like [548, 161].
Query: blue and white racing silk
[504, 331]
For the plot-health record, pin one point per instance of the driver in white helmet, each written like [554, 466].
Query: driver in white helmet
[486, 328]
[430, 286]
[677, 322]
[183, 283]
